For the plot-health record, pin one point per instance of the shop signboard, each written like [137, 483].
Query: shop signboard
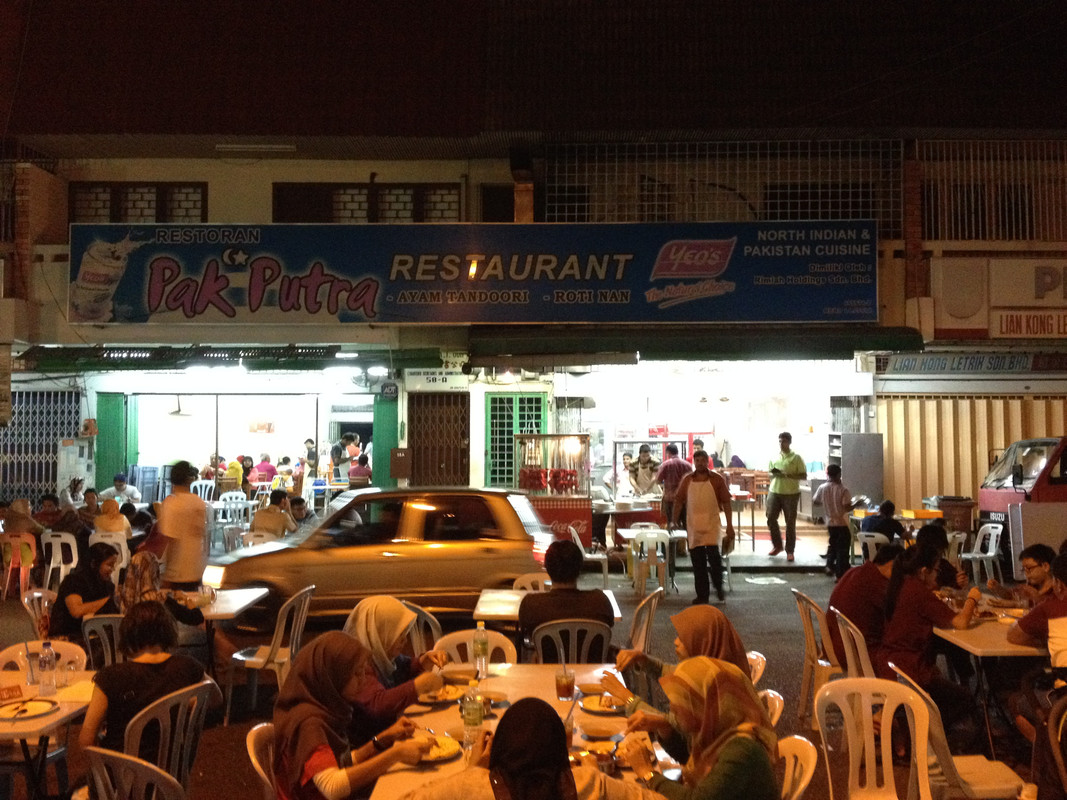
[476, 273]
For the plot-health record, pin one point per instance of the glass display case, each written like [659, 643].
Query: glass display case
[553, 464]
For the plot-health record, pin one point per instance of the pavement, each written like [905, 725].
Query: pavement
[760, 606]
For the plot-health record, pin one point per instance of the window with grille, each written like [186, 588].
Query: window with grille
[138, 202]
[29, 445]
[366, 202]
[506, 415]
[726, 182]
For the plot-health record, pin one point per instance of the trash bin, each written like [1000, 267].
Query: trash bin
[957, 511]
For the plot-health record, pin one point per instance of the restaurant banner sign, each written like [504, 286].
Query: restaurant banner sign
[476, 273]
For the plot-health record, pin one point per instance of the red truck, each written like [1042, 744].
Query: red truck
[1033, 470]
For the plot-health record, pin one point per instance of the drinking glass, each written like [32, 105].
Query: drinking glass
[564, 684]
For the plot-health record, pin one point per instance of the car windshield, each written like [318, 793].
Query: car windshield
[1031, 454]
[362, 521]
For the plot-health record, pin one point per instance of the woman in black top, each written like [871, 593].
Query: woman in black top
[86, 591]
[149, 672]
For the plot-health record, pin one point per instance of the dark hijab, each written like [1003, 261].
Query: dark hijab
[311, 710]
[529, 759]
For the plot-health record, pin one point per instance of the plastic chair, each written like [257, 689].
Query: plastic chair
[425, 631]
[870, 542]
[820, 663]
[1056, 725]
[773, 702]
[533, 582]
[118, 541]
[987, 556]
[178, 718]
[235, 508]
[644, 616]
[19, 551]
[460, 645]
[203, 489]
[57, 547]
[38, 604]
[118, 776]
[600, 559]
[857, 659]
[288, 627]
[578, 641]
[260, 744]
[757, 662]
[101, 634]
[647, 559]
[66, 653]
[961, 776]
[957, 540]
[870, 757]
[800, 757]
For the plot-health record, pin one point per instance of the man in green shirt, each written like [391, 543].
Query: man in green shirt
[787, 471]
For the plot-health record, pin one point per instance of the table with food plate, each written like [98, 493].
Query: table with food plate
[987, 637]
[30, 721]
[597, 723]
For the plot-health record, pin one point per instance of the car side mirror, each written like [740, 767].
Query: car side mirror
[1017, 476]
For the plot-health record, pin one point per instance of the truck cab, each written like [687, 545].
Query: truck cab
[1033, 470]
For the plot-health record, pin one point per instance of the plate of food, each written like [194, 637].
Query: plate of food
[27, 709]
[446, 694]
[458, 673]
[444, 748]
[599, 729]
[601, 747]
[590, 688]
[496, 698]
[601, 704]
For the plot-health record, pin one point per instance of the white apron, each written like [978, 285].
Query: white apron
[702, 522]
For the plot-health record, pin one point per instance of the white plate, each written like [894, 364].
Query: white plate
[600, 704]
[446, 694]
[458, 673]
[445, 748]
[27, 709]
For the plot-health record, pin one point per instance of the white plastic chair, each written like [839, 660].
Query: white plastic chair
[38, 604]
[178, 718]
[773, 702]
[600, 559]
[820, 663]
[644, 617]
[757, 663]
[647, 560]
[236, 509]
[460, 645]
[857, 659]
[801, 758]
[118, 776]
[961, 776]
[985, 553]
[582, 641]
[57, 547]
[288, 628]
[425, 631]
[533, 582]
[104, 630]
[118, 541]
[66, 653]
[957, 540]
[260, 744]
[870, 542]
[203, 489]
[870, 758]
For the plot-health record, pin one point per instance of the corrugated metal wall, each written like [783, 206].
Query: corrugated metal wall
[938, 444]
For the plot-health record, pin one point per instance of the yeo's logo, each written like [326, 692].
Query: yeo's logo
[702, 260]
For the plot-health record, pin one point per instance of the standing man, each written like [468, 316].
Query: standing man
[339, 457]
[705, 496]
[669, 476]
[183, 521]
[311, 460]
[643, 472]
[837, 500]
[787, 471]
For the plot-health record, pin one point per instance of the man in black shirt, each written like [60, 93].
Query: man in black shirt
[883, 523]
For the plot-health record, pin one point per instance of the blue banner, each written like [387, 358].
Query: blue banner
[477, 273]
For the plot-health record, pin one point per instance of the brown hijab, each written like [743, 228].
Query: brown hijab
[311, 710]
[705, 631]
[529, 758]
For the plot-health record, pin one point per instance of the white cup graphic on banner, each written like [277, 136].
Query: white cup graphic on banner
[102, 266]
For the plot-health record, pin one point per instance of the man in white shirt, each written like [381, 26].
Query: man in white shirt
[121, 491]
[183, 520]
[837, 502]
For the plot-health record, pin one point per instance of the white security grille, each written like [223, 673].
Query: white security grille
[726, 181]
[998, 191]
[29, 444]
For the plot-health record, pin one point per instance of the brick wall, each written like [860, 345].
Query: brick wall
[41, 218]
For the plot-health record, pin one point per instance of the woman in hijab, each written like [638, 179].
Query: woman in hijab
[527, 759]
[392, 681]
[732, 745]
[143, 583]
[312, 756]
[86, 591]
[702, 631]
[111, 519]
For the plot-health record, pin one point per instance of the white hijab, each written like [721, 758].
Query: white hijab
[378, 623]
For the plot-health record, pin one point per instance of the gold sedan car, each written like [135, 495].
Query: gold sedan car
[435, 547]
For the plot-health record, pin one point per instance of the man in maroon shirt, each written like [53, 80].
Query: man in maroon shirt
[670, 474]
[859, 594]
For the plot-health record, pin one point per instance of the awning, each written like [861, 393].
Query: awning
[538, 346]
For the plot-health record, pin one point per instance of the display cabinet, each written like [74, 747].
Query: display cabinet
[555, 469]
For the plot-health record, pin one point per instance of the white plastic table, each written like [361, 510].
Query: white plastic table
[502, 605]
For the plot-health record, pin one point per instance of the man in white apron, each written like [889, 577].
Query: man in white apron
[705, 495]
